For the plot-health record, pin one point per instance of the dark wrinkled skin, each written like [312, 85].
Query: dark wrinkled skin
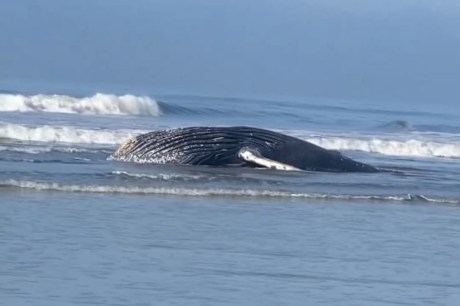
[220, 146]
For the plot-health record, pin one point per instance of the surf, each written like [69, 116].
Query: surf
[98, 104]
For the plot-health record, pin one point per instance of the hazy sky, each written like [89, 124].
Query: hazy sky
[392, 50]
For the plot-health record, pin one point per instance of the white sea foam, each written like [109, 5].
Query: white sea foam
[45, 149]
[64, 134]
[99, 104]
[24, 149]
[158, 176]
[393, 147]
[179, 191]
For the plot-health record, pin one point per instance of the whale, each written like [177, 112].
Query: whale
[238, 146]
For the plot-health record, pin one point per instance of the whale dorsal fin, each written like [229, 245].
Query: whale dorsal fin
[254, 156]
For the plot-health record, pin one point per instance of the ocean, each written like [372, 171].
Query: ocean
[77, 228]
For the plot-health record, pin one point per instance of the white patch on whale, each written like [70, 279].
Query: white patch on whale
[254, 157]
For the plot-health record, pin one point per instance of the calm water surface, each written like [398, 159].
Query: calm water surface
[69, 249]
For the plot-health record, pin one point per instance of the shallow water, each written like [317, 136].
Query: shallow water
[76, 228]
[377, 80]
[62, 142]
[61, 248]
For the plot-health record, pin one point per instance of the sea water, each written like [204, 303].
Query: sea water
[76, 228]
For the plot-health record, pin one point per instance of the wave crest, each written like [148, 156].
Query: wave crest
[391, 147]
[66, 134]
[397, 126]
[158, 176]
[99, 104]
[46, 149]
[180, 191]
[410, 147]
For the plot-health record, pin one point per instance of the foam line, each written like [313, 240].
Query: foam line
[67, 134]
[392, 147]
[179, 191]
[99, 104]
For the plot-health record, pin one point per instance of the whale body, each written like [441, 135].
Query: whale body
[234, 146]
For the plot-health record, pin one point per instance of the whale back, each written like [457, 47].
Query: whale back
[220, 146]
[197, 145]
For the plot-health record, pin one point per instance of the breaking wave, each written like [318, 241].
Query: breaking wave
[46, 149]
[55, 134]
[410, 147]
[179, 191]
[99, 104]
[158, 176]
[392, 147]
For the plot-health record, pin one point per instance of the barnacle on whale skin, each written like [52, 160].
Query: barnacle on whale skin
[126, 147]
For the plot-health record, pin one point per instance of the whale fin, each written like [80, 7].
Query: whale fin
[254, 156]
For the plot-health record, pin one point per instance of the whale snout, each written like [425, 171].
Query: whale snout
[126, 148]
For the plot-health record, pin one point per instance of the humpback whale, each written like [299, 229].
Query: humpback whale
[234, 146]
